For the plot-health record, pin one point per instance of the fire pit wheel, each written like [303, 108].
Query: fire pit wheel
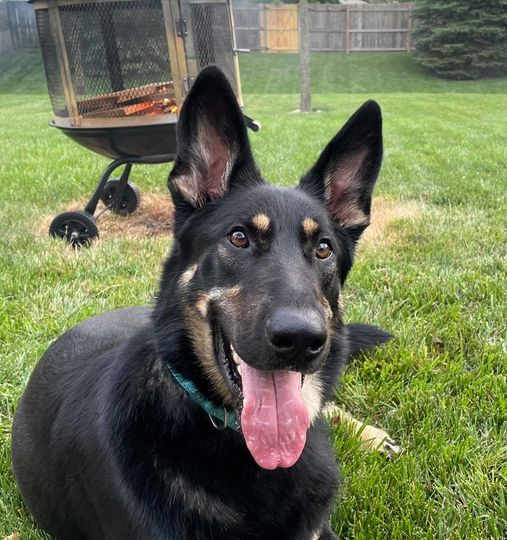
[129, 200]
[78, 228]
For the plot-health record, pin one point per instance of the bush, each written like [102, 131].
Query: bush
[462, 39]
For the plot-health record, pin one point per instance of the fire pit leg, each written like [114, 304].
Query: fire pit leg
[92, 203]
[120, 188]
[120, 195]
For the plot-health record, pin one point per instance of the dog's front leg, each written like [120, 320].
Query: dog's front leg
[372, 438]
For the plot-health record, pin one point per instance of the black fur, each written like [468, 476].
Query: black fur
[106, 444]
[365, 336]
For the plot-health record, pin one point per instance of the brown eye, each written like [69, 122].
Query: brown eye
[238, 239]
[323, 250]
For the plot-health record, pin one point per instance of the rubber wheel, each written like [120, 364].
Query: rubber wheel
[78, 228]
[129, 202]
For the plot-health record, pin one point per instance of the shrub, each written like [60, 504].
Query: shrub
[462, 39]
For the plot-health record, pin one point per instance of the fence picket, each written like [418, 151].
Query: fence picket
[333, 27]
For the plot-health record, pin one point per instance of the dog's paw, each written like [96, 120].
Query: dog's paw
[372, 439]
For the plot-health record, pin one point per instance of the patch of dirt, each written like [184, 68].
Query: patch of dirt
[153, 217]
[384, 213]
[155, 214]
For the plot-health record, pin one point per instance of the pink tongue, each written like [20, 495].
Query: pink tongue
[274, 419]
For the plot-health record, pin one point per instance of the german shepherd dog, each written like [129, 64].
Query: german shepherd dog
[200, 419]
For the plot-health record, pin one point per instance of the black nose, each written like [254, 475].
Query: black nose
[296, 335]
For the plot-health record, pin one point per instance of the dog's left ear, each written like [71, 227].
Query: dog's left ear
[347, 169]
[212, 142]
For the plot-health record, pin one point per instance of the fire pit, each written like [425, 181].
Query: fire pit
[117, 72]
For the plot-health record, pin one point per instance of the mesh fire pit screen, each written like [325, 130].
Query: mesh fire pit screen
[129, 62]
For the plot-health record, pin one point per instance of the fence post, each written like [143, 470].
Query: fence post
[347, 28]
[409, 28]
[263, 30]
[12, 25]
[305, 102]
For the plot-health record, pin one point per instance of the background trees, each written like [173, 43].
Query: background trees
[462, 39]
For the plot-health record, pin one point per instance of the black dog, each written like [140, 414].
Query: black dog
[201, 419]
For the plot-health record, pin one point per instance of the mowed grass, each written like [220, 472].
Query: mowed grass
[436, 278]
[352, 73]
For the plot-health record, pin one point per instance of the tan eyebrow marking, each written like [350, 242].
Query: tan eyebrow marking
[262, 222]
[310, 226]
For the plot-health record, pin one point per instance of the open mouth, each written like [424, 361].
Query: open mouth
[230, 365]
[274, 417]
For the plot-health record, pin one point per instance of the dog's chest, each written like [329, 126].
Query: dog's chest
[213, 496]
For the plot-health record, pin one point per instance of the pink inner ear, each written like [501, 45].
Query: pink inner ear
[343, 187]
[208, 174]
[215, 163]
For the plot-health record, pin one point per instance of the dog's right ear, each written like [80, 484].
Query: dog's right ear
[213, 146]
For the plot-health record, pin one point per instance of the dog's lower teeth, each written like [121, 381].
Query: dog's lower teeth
[235, 356]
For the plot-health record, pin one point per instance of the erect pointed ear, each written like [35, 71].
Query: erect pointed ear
[347, 169]
[212, 141]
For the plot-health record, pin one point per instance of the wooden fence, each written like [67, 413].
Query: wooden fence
[281, 27]
[333, 27]
[5, 33]
[269, 27]
[17, 26]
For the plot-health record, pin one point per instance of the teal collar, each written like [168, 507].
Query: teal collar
[227, 417]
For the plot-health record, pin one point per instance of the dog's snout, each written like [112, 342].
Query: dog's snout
[296, 335]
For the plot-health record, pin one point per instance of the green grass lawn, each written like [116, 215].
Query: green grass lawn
[436, 278]
[352, 73]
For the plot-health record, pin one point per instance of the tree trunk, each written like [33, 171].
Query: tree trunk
[304, 58]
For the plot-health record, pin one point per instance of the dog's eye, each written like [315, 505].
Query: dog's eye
[323, 249]
[238, 238]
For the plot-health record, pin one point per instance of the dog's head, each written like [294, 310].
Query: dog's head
[257, 270]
